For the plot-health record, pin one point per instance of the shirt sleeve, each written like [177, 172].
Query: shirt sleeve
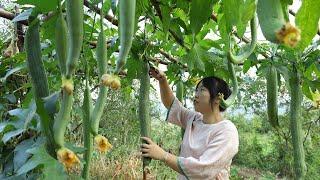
[214, 160]
[179, 115]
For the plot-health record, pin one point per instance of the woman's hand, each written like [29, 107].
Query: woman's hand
[219, 177]
[152, 150]
[157, 74]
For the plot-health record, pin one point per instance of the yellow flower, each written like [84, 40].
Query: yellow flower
[289, 35]
[106, 79]
[115, 84]
[316, 99]
[220, 96]
[102, 143]
[68, 158]
[195, 80]
[112, 81]
[67, 85]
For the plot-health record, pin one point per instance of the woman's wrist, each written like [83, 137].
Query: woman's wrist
[162, 80]
[165, 156]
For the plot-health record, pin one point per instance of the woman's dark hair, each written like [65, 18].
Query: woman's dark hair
[215, 86]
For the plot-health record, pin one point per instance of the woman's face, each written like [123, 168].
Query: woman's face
[201, 100]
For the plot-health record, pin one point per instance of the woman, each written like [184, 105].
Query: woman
[210, 141]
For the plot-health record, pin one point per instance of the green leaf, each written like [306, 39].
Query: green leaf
[222, 73]
[50, 102]
[142, 6]
[263, 70]
[314, 85]
[209, 43]
[200, 13]
[284, 71]
[195, 58]
[171, 73]
[4, 126]
[23, 16]
[174, 26]
[24, 115]
[289, 2]
[309, 71]
[14, 177]
[231, 12]
[133, 66]
[20, 154]
[28, 97]
[247, 10]
[285, 5]
[205, 30]
[181, 14]
[184, 5]
[318, 70]
[223, 28]
[19, 113]
[312, 58]
[307, 19]
[48, 28]
[217, 54]
[306, 90]
[11, 98]
[40, 5]
[30, 113]
[187, 59]
[165, 10]
[213, 63]
[75, 149]
[246, 65]
[12, 71]
[52, 168]
[31, 164]
[95, 2]
[7, 161]
[6, 137]
[182, 24]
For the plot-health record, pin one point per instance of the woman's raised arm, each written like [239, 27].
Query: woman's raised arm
[166, 93]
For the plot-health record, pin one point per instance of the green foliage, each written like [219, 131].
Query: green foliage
[166, 19]
[307, 21]
[195, 58]
[263, 149]
[260, 146]
[40, 6]
[51, 167]
[17, 136]
[247, 12]
[238, 13]
[231, 13]
[200, 13]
